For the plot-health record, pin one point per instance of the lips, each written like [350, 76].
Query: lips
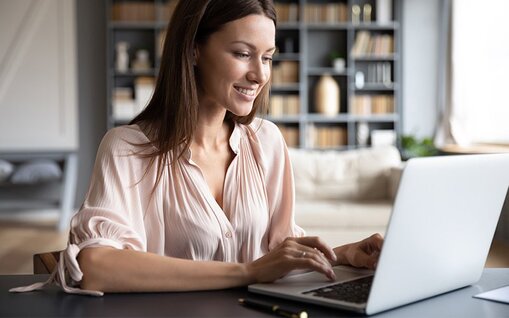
[245, 91]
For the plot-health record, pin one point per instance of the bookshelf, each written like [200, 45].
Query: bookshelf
[309, 33]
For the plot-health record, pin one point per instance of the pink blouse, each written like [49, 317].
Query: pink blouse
[181, 218]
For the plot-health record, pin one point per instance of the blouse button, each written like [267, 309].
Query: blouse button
[228, 234]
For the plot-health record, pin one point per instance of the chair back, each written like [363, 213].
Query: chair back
[45, 263]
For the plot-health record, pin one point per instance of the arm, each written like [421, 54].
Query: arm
[113, 270]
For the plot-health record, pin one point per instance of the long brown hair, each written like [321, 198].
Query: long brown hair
[171, 115]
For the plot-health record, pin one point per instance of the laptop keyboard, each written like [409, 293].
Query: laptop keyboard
[354, 291]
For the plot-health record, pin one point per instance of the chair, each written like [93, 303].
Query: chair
[45, 263]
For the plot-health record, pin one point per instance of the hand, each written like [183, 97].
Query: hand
[293, 253]
[364, 253]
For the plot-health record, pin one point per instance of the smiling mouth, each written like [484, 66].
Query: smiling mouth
[245, 91]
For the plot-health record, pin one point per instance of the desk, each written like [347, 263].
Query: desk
[223, 303]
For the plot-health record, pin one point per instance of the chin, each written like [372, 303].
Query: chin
[242, 110]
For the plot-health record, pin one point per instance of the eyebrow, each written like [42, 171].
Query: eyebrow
[252, 46]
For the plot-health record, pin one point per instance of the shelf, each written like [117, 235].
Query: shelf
[377, 26]
[329, 26]
[305, 50]
[319, 118]
[375, 58]
[288, 26]
[318, 71]
[285, 88]
[28, 204]
[133, 25]
[8, 184]
[375, 87]
[346, 118]
[287, 57]
[285, 119]
[379, 118]
[151, 72]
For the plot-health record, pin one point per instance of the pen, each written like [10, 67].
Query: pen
[272, 308]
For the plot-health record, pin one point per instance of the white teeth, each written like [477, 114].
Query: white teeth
[245, 91]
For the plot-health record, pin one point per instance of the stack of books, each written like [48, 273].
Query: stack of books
[287, 12]
[372, 45]
[327, 136]
[290, 134]
[281, 105]
[167, 9]
[372, 104]
[133, 11]
[285, 72]
[125, 107]
[326, 13]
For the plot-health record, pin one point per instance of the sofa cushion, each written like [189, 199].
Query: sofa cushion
[356, 174]
[333, 214]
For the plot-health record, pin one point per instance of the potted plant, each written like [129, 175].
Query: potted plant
[338, 61]
[414, 147]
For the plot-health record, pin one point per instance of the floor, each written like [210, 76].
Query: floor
[20, 241]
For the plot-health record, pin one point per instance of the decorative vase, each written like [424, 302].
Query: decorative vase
[383, 11]
[339, 64]
[327, 96]
[122, 58]
[362, 134]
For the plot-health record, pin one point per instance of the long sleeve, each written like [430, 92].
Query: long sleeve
[112, 214]
[279, 183]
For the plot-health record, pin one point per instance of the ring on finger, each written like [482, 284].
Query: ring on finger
[302, 254]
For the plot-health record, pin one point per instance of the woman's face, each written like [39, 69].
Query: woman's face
[235, 63]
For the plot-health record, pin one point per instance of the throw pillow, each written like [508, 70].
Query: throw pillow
[6, 169]
[37, 171]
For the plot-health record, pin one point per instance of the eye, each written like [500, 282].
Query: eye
[242, 55]
[267, 59]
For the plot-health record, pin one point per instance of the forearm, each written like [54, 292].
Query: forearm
[112, 270]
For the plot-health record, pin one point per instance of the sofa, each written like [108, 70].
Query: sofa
[345, 196]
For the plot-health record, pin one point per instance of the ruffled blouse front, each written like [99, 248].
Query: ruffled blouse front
[180, 217]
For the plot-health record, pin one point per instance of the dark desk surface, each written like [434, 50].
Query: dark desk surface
[223, 303]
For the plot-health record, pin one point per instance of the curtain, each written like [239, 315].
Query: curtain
[474, 73]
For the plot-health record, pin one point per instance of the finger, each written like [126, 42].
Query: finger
[315, 265]
[318, 255]
[303, 251]
[316, 242]
[311, 253]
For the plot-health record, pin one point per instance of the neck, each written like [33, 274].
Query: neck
[212, 131]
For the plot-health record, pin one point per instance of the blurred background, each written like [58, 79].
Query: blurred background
[426, 77]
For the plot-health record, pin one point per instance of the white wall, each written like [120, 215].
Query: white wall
[420, 32]
[38, 103]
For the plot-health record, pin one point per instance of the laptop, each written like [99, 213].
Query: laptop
[439, 234]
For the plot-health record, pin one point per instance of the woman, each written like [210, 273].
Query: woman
[196, 193]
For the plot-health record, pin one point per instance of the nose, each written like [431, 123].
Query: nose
[258, 72]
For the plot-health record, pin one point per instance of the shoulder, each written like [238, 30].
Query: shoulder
[266, 132]
[123, 140]
[266, 136]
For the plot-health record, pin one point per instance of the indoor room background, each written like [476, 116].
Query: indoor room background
[62, 75]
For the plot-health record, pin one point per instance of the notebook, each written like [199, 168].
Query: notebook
[437, 240]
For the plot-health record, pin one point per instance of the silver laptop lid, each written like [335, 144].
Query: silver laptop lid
[441, 228]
